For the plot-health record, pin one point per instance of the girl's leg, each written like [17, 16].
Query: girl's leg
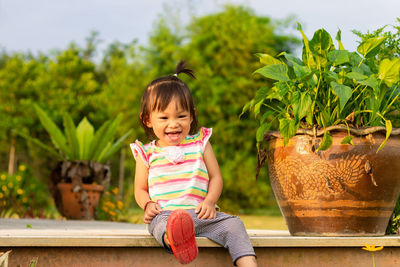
[228, 231]
[157, 228]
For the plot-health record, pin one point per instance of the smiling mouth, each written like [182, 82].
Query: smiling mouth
[174, 136]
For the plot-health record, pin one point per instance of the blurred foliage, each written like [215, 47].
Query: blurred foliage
[23, 196]
[110, 207]
[220, 47]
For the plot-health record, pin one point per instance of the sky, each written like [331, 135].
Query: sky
[45, 25]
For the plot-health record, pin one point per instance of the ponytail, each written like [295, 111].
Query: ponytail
[182, 67]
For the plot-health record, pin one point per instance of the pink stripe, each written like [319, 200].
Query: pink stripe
[182, 197]
[180, 180]
[191, 144]
[180, 164]
[139, 150]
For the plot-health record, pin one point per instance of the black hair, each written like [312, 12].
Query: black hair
[159, 93]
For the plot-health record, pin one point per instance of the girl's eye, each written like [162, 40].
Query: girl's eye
[163, 118]
[182, 116]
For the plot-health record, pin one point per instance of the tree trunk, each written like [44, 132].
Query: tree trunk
[11, 162]
[121, 172]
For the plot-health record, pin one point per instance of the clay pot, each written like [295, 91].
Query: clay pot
[73, 203]
[343, 191]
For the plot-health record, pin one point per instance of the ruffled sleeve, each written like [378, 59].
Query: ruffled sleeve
[138, 150]
[205, 134]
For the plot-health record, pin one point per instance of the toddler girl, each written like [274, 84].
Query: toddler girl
[177, 177]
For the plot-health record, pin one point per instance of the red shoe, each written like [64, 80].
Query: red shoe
[180, 235]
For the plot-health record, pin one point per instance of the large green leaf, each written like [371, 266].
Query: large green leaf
[307, 54]
[343, 92]
[347, 140]
[388, 125]
[292, 59]
[301, 102]
[338, 57]
[372, 82]
[339, 39]
[320, 45]
[370, 47]
[326, 142]
[288, 128]
[356, 75]
[261, 131]
[37, 142]
[268, 60]
[389, 71]
[56, 136]
[275, 72]
[114, 147]
[85, 133]
[72, 138]
[106, 135]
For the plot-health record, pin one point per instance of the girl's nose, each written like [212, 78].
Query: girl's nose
[173, 123]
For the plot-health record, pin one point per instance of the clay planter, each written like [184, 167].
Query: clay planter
[343, 191]
[72, 203]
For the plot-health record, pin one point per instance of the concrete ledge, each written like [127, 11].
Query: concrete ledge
[52, 233]
[106, 244]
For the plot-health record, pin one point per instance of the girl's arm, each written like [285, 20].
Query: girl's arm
[206, 209]
[142, 192]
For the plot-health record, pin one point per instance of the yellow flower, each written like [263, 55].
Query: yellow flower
[4, 188]
[372, 248]
[24, 200]
[22, 168]
[115, 190]
[20, 191]
[120, 204]
[3, 177]
[104, 209]
[19, 178]
[1, 195]
[107, 193]
[112, 213]
[10, 185]
[110, 204]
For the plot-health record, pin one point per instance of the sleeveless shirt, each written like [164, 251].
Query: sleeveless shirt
[178, 177]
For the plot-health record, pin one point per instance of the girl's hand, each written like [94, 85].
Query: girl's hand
[152, 210]
[206, 210]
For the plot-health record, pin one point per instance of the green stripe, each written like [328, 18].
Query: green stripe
[189, 153]
[174, 174]
[178, 191]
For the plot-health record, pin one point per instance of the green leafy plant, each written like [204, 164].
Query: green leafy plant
[22, 195]
[81, 142]
[328, 88]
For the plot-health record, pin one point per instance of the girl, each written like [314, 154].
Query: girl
[177, 177]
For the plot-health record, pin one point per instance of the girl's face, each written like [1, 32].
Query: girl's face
[171, 125]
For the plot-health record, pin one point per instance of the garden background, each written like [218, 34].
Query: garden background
[83, 81]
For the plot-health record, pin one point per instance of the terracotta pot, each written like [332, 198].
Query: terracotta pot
[343, 191]
[72, 204]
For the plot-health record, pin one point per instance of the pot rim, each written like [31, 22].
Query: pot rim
[314, 132]
[92, 187]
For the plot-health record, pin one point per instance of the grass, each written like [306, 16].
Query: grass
[263, 222]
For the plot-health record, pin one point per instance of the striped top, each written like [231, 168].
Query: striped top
[178, 177]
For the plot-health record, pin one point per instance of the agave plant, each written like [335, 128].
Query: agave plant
[81, 142]
[82, 152]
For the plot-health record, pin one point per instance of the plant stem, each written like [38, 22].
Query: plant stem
[373, 259]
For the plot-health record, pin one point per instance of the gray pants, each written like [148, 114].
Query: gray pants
[225, 229]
